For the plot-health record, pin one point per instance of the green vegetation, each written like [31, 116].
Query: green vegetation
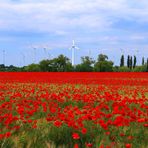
[63, 64]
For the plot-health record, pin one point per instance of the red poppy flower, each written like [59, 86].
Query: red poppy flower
[57, 123]
[76, 146]
[84, 130]
[128, 145]
[75, 136]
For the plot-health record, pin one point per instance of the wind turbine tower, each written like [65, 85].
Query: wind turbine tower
[89, 53]
[101, 51]
[122, 51]
[45, 51]
[137, 53]
[23, 55]
[34, 48]
[33, 53]
[4, 57]
[73, 48]
[47, 55]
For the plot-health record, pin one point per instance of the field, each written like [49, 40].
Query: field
[73, 110]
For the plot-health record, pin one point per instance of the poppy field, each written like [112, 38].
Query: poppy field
[73, 110]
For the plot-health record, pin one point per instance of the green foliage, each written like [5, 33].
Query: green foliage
[63, 64]
[140, 68]
[147, 65]
[122, 61]
[60, 136]
[86, 65]
[44, 65]
[124, 69]
[128, 61]
[142, 61]
[32, 67]
[135, 61]
[102, 65]
[131, 62]
[116, 69]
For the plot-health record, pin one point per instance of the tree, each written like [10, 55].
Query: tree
[2, 67]
[141, 68]
[131, 62]
[147, 65]
[102, 57]
[44, 65]
[62, 63]
[135, 61]
[128, 61]
[143, 61]
[116, 69]
[122, 61]
[32, 68]
[86, 65]
[102, 64]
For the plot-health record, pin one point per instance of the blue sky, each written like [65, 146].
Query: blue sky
[95, 25]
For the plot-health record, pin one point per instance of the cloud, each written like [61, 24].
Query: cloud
[93, 24]
[67, 14]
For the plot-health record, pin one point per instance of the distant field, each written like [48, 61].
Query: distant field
[73, 110]
[77, 77]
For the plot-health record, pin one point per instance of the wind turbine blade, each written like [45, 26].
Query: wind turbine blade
[77, 48]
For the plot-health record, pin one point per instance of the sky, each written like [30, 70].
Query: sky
[112, 27]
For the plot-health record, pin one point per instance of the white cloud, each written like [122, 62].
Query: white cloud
[68, 14]
[71, 18]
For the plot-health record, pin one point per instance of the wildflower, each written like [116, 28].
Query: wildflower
[84, 130]
[57, 123]
[75, 136]
[128, 145]
[89, 144]
[145, 125]
[7, 135]
[76, 146]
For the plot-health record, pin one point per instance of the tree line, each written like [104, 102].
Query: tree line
[63, 64]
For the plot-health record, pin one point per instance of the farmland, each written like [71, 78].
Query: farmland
[73, 110]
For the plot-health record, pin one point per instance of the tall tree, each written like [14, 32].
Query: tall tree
[135, 61]
[143, 61]
[131, 62]
[147, 65]
[122, 61]
[128, 61]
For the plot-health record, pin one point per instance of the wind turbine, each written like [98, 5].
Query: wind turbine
[89, 52]
[4, 56]
[137, 53]
[45, 51]
[100, 51]
[73, 47]
[24, 57]
[122, 51]
[33, 52]
[47, 55]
